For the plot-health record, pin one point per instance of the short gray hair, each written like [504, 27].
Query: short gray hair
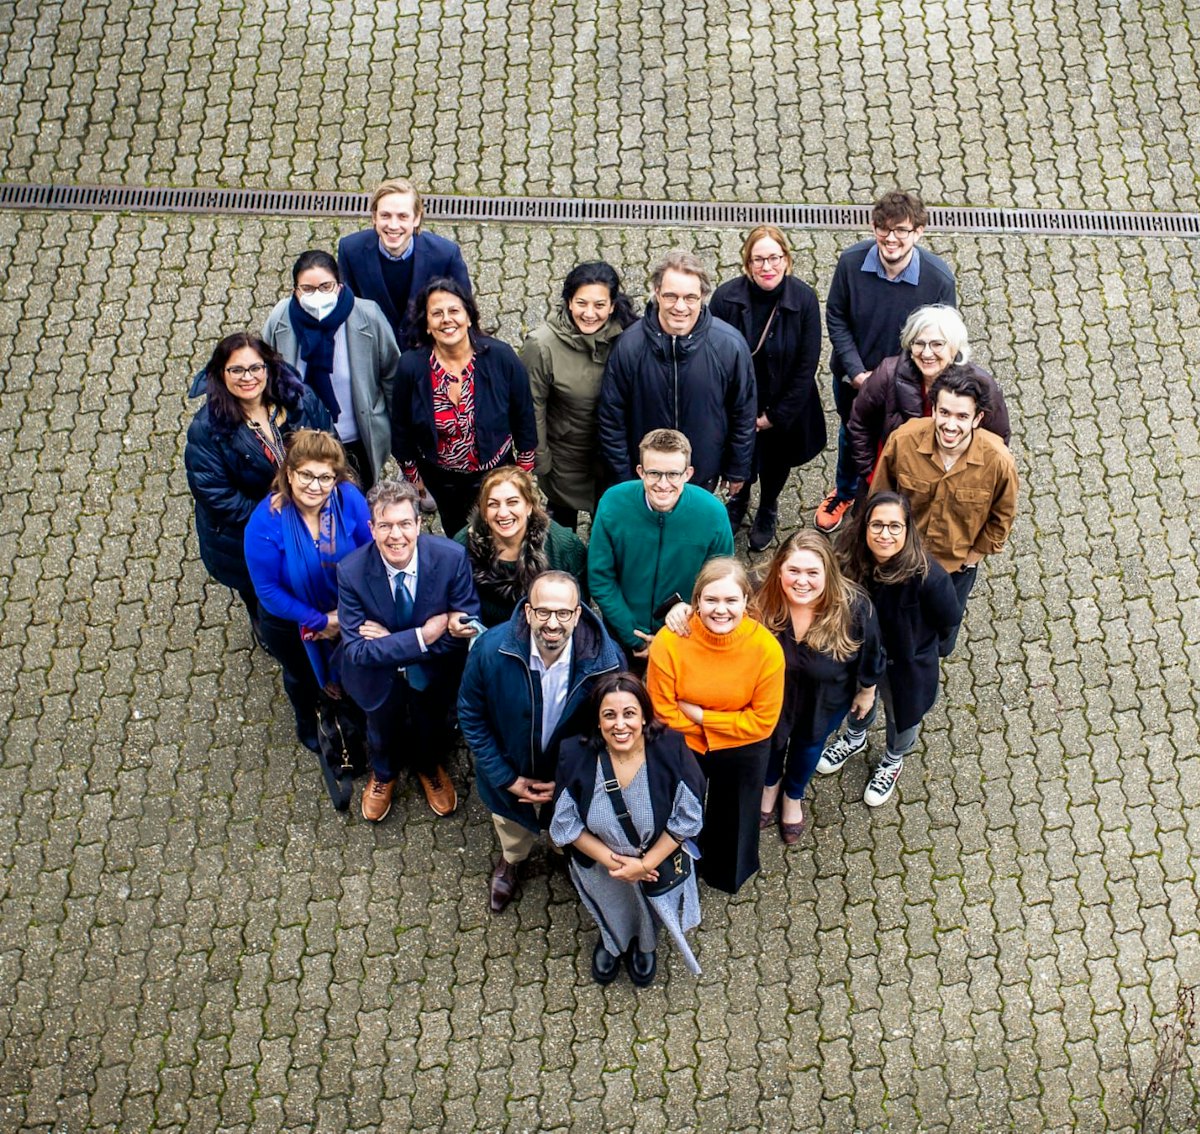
[947, 320]
[681, 260]
[389, 492]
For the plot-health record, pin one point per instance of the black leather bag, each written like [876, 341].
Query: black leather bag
[342, 733]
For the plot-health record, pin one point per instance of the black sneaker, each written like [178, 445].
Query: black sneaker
[605, 967]
[763, 531]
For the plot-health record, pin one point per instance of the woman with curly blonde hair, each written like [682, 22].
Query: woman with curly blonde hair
[833, 659]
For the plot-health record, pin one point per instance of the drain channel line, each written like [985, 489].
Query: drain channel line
[587, 211]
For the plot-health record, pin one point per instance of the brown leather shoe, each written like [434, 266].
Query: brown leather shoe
[439, 791]
[377, 799]
[504, 885]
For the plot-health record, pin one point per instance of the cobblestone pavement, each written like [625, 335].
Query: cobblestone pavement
[1011, 102]
[191, 939]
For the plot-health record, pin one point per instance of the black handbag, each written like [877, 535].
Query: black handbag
[675, 869]
[341, 733]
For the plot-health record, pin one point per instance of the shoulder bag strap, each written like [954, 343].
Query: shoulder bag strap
[617, 798]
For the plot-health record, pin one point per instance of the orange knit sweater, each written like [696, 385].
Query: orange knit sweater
[736, 678]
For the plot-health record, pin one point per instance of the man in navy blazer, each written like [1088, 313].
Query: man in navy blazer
[391, 262]
[403, 604]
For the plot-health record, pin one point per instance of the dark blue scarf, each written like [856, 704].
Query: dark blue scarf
[316, 346]
[312, 570]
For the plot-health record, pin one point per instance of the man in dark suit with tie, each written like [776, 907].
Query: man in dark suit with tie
[403, 605]
[392, 261]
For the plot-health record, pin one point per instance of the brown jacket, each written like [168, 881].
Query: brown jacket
[969, 508]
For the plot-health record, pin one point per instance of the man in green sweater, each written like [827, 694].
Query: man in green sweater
[650, 537]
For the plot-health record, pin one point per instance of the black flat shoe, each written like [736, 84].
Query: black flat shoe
[641, 966]
[605, 967]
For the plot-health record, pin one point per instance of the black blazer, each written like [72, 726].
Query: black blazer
[361, 271]
[792, 349]
[503, 404]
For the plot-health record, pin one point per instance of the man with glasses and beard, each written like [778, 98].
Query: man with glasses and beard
[525, 683]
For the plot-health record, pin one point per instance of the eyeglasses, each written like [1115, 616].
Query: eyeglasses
[544, 614]
[670, 299]
[878, 527]
[919, 346]
[898, 233]
[326, 288]
[766, 261]
[254, 370]
[307, 479]
[656, 475]
[384, 528]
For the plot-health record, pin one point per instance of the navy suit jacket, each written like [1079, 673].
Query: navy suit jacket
[433, 257]
[370, 667]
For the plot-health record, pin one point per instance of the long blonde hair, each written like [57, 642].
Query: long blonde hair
[832, 629]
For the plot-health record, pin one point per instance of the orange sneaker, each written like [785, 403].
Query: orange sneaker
[831, 512]
[439, 791]
[377, 799]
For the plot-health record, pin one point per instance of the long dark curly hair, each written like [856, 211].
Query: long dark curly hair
[283, 383]
[532, 559]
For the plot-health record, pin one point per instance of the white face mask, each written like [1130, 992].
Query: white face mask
[318, 305]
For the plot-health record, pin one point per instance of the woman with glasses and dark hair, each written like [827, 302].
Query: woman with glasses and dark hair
[918, 616]
[510, 540]
[313, 518]
[780, 319]
[565, 358]
[235, 446]
[461, 405]
[343, 348]
[629, 800]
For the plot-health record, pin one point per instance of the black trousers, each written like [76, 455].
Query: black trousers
[281, 639]
[964, 581]
[356, 454]
[455, 493]
[729, 840]
[410, 729]
[772, 467]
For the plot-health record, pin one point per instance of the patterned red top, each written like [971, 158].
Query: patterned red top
[455, 426]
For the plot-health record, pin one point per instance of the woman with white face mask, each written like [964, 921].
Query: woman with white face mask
[344, 349]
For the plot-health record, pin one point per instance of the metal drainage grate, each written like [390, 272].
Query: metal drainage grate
[588, 211]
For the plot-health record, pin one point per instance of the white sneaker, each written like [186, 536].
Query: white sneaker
[883, 783]
[834, 755]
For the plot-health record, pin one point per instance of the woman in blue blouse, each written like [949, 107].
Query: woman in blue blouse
[313, 518]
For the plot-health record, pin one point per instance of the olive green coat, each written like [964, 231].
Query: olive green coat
[565, 368]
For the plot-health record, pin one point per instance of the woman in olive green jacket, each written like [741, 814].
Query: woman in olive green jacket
[565, 358]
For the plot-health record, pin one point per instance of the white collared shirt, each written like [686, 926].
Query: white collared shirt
[410, 585]
[555, 680]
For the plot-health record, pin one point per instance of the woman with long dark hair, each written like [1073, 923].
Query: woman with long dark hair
[511, 540]
[629, 799]
[565, 357]
[461, 404]
[918, 617]
[235, 446]
[312, 519]
[833, 658]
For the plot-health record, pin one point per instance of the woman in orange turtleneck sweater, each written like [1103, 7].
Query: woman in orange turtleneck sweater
[721, 686]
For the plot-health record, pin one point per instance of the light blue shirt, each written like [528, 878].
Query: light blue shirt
[403, 255]
[554, 686]
[409, 574]
[910, 275]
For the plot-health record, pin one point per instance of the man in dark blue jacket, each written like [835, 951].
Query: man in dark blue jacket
[681, 368]
[876, 285]
[392, 261]
[525, 689]
[403, 605]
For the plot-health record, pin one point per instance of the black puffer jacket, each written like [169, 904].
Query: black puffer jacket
[894, 394]
[701, 384]
[229, 473]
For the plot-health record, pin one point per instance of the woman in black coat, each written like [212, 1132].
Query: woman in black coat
[235, 445]
[918, 616]
[780, 318]
[461, 404]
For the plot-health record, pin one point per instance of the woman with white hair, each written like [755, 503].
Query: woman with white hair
[932, 339]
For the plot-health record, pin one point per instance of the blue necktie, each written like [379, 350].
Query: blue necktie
[414, 674]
